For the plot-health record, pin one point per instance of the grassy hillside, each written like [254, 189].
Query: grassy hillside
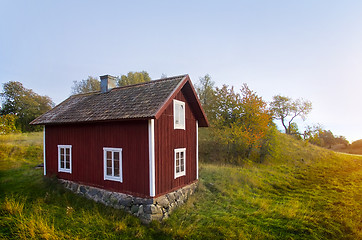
[304, 192]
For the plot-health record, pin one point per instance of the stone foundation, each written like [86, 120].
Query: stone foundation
[147, 209]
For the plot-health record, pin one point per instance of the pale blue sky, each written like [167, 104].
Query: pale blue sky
[309, 49]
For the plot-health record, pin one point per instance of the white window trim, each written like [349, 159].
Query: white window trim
[183, 173]
[60, 169]
[177, 125]
[112, 178]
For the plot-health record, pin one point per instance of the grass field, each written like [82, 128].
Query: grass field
[303, 193]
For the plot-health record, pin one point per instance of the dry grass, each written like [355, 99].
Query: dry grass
[19, 149]
[22, 139]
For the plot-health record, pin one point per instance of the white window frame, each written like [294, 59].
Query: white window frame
[112, 178]
[65, 169]
[180, 173]
[176, 114]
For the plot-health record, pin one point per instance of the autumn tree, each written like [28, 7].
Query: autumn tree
[133, 78]
[287, 110]
[91, 84]
[24, 103]
[255, 118]
[242, 120]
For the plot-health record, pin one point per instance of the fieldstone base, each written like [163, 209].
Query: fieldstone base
[147, 209]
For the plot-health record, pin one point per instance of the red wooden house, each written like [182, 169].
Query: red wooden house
[139, 140]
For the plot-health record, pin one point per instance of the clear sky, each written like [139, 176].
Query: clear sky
[308, 49]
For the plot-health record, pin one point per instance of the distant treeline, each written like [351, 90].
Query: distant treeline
[242, 127]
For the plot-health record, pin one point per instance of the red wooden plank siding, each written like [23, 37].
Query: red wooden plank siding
[87, 142]
[166, 140]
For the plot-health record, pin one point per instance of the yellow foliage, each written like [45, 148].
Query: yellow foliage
[242, 121]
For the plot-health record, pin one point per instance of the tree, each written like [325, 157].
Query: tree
[206, 93]
[255, 118]
[311, 133]
[242, 121]
[327, 138]
[133, 78]
[324, 138]
[294, 131]
[227, 108]
[285, 109]
[341, 140]
[8, 124]
[91, 84]
[163, 75]
[24, 103]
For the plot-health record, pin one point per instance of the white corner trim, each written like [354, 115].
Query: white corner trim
[151, 152]
[197, 149]
[44, 159]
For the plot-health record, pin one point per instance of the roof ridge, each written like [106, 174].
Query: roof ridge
[169, 78]
[152, 81]
[84, 94]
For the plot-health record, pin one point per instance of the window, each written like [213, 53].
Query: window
[180, 162]
[65, 158]
[112, 164]
[178, 114]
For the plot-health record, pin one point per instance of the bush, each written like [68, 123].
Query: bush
[356, 144]
[8, 124]
[217, 145]
[270, 147]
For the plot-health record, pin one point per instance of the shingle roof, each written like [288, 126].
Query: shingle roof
[140, 101]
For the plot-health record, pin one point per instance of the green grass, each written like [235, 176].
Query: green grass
[304, 192]
[20, 149]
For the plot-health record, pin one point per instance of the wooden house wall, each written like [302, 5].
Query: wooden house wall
[166, 140]
[87, 142]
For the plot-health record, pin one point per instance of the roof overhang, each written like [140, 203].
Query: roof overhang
[188, 89]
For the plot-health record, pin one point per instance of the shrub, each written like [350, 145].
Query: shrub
[222, 146]
[8, 124]
[356, 144]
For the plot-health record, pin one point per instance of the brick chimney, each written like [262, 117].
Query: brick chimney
[107, 83]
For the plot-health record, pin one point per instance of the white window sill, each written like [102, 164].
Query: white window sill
[180, 174]
[116, 179]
